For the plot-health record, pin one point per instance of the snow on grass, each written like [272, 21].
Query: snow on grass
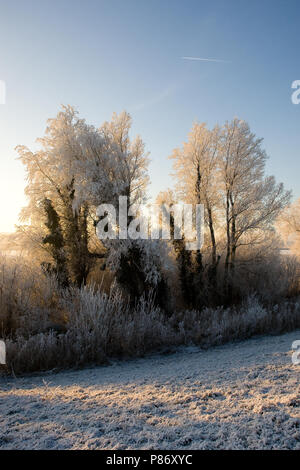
[238, 396]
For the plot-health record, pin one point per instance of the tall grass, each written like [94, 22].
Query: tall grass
[46, 328]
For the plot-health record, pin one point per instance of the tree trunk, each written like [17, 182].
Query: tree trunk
[228, 248]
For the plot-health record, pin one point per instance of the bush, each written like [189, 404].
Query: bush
[48, 328]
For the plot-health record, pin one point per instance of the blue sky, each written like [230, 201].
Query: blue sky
[108, 55]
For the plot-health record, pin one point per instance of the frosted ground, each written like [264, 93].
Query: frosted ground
[238, 396]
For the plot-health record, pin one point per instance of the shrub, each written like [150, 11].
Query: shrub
[49, 328]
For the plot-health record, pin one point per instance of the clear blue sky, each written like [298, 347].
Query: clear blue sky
[108, 55]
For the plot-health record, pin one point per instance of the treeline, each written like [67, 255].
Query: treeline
[75, 299]
[79, 167]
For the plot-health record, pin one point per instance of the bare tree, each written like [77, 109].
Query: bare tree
[197, 176]
[252, 200]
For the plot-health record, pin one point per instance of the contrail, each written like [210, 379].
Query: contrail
[205, 60]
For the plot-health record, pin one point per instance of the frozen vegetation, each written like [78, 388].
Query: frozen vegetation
[155, 323]
[243, 395]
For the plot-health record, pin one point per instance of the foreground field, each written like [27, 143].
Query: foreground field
[238, 396]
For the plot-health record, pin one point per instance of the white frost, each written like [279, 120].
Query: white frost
[238, 396]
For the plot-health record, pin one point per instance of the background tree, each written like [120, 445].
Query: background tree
[288, 225]
[224, 169]
[197, 178]
[252, 200]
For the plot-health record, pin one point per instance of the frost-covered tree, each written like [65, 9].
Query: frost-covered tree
[55, 172]
[224, 169]
[137, 263]
[195, 167]
[197, 182]
[131, 159]
[251, 199]
[196, 173]
[77, 168]
[288, 225]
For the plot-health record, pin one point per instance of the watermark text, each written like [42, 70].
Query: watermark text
[177, 221]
